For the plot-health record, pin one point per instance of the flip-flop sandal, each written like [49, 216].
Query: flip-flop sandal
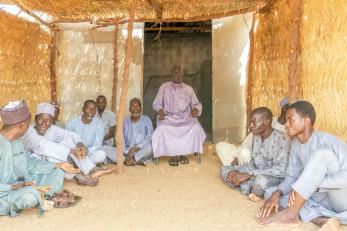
[64, 204]
[173, 162]
[77, 198]
[184, 160]
[71, 196]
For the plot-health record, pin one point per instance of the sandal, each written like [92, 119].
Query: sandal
[62, 201]
[173, 161]
[71, 196]
[64, 204]
[184, 160]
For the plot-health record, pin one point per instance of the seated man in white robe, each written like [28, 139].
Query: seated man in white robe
[46, 141]
[178, 131]
[315, 184]
[230, 154]
[91, 130]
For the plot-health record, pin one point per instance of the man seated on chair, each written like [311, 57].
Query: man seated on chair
[179, 132]
[23, 179]
[91, 130]
[109, 120]
[229, 154]
[138, 131]
[315, 184]
[269, 158]
[46, 141]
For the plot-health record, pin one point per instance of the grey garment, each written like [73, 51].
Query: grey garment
[268, 161]
[317, 171]
[145, 154]
[257, 185]
[300, 154]
[269, 156]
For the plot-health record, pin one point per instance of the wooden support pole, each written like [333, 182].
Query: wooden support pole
[52, 66]
[115, 69]
[250, 82]
[294, 66]
[121, 110]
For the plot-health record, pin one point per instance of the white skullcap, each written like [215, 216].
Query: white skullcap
[45, 108]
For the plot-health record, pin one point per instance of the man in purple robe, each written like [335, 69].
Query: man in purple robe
[179, 132]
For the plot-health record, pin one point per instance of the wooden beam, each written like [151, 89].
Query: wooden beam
[110, 21]
[294, 66]
[178, 28]
[250, 82]
[115, 69]
[52, 66]
[37, 18]
[121, 110]
[197, 18]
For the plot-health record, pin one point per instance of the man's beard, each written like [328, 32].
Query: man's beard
[136, 114]
[41, 132]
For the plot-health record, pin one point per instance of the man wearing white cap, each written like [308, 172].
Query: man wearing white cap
[50, 142]
[22, 177]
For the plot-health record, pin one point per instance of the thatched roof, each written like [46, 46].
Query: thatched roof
[146, 10]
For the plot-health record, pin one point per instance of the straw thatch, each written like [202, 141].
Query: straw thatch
[322, 78]
[146, 10]
[270, 57]
[324, 62]
[24, 61]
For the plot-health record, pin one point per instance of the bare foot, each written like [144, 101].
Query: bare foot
[47, 205]
[98, 172]
[284, 218]
[331, 224]
[253, 197]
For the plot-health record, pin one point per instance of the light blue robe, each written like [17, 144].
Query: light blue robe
[317, 170]
[16, 166]
[139, 134]
[91, 134]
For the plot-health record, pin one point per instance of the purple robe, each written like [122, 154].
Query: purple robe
[179, 133]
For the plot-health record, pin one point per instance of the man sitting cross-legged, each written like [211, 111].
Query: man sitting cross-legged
[268, 159]
[46, 141]
[138, 131]
[91, 130]
[25, 180]
[315, 184]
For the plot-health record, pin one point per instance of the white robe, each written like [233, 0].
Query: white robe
[55, 146]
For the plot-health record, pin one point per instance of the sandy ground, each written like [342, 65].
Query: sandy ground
[156, 197]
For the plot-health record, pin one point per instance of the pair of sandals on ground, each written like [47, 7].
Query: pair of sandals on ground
[65, 199]
[175, 161]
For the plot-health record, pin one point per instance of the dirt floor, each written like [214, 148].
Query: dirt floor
[156, 197]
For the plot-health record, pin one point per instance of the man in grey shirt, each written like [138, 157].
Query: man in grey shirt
[315, 185]
[269, 158]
